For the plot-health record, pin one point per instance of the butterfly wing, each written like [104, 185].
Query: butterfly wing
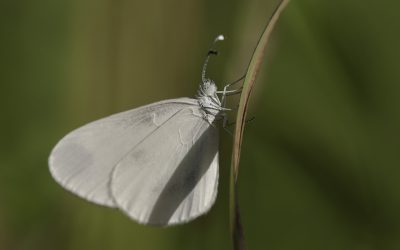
[82, 162]
[171, 177]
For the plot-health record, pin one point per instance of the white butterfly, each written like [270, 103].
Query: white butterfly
[157, 163]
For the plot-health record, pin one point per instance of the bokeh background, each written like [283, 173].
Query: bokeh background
[320, 166]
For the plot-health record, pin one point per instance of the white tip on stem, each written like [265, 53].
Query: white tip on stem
[220, 38]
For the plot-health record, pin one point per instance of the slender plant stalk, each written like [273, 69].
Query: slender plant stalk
[248, 84]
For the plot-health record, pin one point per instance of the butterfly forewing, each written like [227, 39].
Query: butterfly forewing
[83, 160]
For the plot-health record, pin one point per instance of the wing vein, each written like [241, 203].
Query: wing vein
[133, 148]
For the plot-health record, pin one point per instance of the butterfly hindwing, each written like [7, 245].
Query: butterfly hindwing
[171, 176]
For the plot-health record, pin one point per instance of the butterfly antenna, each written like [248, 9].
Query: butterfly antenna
[210, 52]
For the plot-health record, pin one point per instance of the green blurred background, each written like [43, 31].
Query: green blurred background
[320, 163]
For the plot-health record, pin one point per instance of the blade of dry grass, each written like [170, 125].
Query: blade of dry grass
[252, 70]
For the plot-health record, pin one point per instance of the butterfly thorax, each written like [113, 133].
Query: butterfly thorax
[208, 100]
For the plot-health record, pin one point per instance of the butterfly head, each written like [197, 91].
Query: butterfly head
[208, 88]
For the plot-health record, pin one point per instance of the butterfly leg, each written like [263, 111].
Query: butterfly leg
[235, 82]
[225, 123]
[226, 92]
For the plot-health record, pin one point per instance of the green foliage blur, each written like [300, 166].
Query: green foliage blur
[320, 165]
